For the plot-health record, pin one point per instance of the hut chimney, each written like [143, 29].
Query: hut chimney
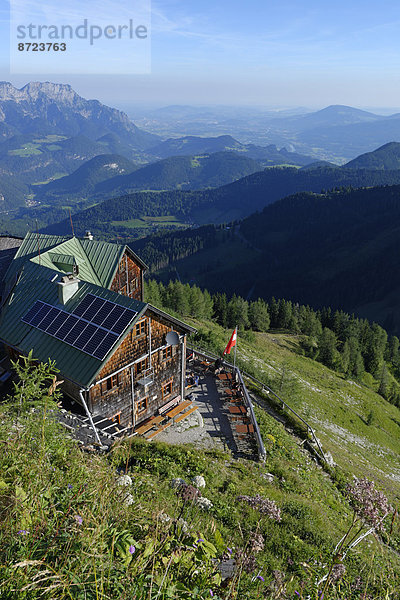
[67, 287]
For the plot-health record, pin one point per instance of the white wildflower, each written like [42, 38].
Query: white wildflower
[199, 482]
[124, 480]
[176, 483]
[204, 503]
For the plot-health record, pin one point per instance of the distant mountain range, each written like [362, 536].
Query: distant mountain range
[218, 169]
[336, 133]
[53, 108]
[85, 180]
[47, 131]
[96, 179]
[194, 145]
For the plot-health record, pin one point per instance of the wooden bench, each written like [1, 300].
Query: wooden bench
[159, 430]
[169, 405]
[148, 425]
[186, 414]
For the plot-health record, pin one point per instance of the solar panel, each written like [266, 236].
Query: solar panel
[94, 326]
[32, 312]
[80, 309]
[56, 324]
[107, 343]
[106, 314]
[94, 341]
[75, 332]
[85, 336]
[40, 313]
[70, 321]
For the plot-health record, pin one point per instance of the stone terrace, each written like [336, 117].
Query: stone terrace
[221, 419]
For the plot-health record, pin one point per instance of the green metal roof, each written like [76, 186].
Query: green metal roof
[33, 275]
[68, 251]
[30, 247]
[63, 259]
[97, 260]
[35, 283]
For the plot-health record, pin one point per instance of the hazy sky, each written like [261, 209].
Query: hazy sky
[262, 52]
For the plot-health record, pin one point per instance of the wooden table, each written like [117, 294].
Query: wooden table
[175, 411]
[242, 428]
[149, 424]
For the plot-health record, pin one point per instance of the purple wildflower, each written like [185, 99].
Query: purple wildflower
[338, 572]
[211, 593]
[188, 493]
[22, 532]
[370, 505]
[132, 549]
[69, 486]
[199, 541]
[260, 577]
[78, 519]
[229, 550]
[296, 592]
[263, 505]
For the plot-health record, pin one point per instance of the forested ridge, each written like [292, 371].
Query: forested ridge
[236, 200]
[337, 249]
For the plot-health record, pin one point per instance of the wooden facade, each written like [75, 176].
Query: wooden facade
[128, 279]
[131, 387]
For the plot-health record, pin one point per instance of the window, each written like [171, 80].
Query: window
[141, 366]
[121, 266]
[133, 284]
[116, 418]
[166, 353]
[110, 383]
[142, 405]
[167, 389]
[140, 328]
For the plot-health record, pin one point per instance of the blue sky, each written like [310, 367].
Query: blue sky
[260, 52]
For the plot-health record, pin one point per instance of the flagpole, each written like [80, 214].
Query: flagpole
[234, 357]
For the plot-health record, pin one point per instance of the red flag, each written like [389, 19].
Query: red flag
[231, 343]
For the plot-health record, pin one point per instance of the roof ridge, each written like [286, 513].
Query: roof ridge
[89, 261]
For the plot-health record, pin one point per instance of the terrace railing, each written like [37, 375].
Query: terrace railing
[247, 400]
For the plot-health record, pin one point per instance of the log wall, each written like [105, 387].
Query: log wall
[128, 279]
[113, 398]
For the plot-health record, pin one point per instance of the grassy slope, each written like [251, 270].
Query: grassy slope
[56, 483]
[53, 482]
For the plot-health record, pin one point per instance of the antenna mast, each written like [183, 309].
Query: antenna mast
[37, 236]
[72, 225]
